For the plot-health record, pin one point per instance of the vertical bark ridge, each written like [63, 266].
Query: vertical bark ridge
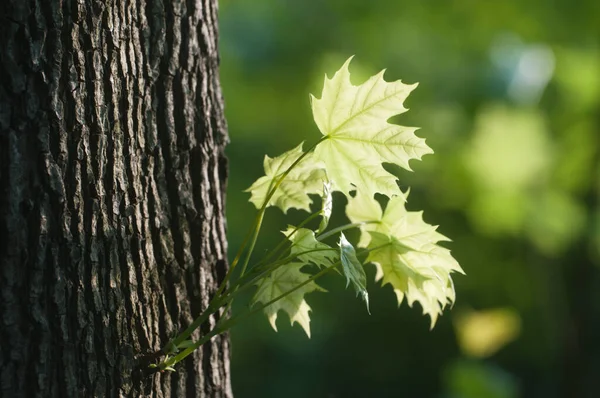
[112, 181]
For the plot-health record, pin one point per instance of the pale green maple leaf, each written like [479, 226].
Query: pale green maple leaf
[417, 275]
[354, 120]
[304, 240]
[282, 280]
[405, 251]
[305, 178]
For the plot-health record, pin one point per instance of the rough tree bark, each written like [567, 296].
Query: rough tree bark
[112, 180]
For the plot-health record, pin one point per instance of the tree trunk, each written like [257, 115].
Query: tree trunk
[112, 181]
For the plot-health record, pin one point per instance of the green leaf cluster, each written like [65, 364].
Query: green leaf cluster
[357, 139]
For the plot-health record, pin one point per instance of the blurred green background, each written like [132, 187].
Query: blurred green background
[509, 99]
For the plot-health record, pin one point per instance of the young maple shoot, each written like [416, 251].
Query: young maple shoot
[348, 158]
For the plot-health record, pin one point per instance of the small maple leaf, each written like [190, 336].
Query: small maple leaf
[280, 281]
[305, 178]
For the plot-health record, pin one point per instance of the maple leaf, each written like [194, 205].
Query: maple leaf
[359, 137]
[304, 240]
[305, 178]
[280, 281]
[405, 252]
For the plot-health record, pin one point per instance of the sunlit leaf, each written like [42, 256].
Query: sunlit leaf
[359, 138]
[404, 249]
[305, 178]
[280, 281]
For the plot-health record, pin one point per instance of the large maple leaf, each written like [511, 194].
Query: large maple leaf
[354, 120]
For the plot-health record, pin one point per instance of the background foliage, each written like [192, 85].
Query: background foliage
[509, 99]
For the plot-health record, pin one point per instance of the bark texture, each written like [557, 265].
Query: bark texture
[112, 177]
